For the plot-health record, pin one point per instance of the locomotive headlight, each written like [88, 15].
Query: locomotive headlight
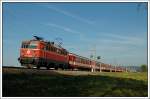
[28, 52]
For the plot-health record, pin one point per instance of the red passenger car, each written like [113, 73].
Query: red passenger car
[79, 62]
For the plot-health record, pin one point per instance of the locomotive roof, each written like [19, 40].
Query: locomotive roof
[46, 42]
[55, 45]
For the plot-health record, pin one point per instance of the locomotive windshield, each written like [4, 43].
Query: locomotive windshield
[31, 45]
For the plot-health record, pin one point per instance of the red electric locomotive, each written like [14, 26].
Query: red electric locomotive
[38, 52]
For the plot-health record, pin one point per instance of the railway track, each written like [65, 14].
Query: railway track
[42, 71]
[26, 71]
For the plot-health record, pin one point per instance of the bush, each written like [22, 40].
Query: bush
[144, 68]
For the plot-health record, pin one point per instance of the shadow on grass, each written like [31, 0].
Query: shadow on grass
[59, 85]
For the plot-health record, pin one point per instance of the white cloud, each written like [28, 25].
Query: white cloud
[72, 15]
[122, 39]
[114, 41]
[63, 28]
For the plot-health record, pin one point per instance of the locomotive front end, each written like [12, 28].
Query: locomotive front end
[29, 53]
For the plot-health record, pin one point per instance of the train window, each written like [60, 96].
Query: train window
[32, 45]
[55, 49]
[80, 60]
[58, 51]
[65, 53]
[83, 61]
[24, 46]
[44, 48]
[50, 48]
[76, 59]
[61, 52]
[47, 47]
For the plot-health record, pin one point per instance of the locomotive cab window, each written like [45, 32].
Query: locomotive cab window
[24, 45]
[32, 45]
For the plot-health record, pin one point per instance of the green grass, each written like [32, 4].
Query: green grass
[62, 84]
[132, 75]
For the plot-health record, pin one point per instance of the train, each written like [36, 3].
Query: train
[40, 53]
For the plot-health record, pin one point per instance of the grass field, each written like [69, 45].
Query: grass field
[48, 83]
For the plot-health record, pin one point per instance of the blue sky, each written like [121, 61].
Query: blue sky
[118, 30]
